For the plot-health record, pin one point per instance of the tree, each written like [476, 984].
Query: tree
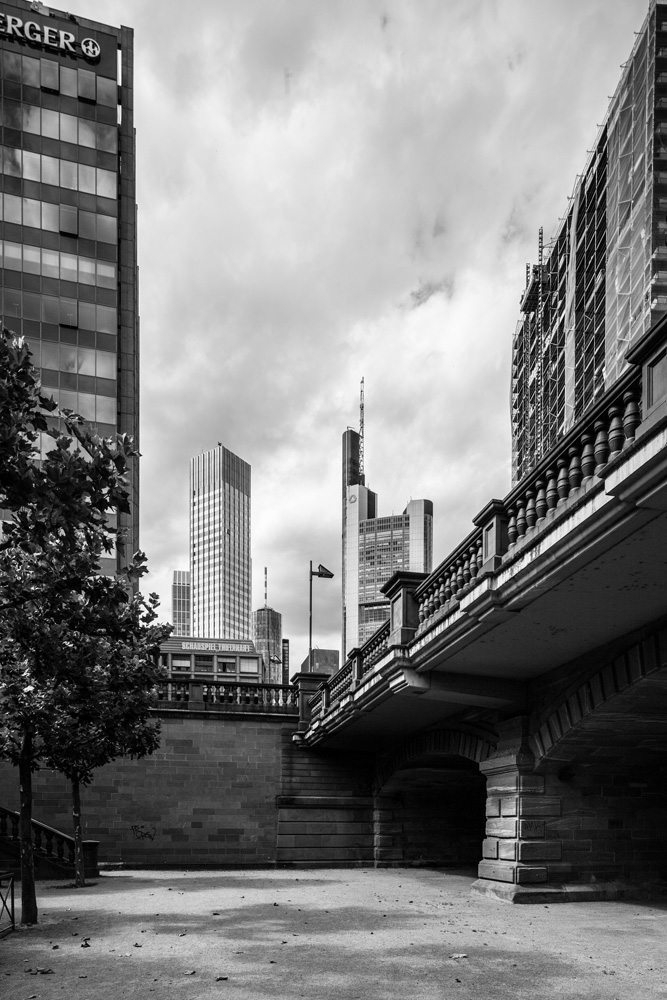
[67, 632]
[103, 706]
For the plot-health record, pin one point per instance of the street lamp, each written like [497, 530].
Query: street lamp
[326, 574]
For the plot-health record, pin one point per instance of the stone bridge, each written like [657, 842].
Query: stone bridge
[526, 677]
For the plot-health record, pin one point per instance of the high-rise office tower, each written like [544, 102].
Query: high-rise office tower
[181, 603]
[69, 278]
[267, 635]
[374, 548]
[602, 280]
[220, 563]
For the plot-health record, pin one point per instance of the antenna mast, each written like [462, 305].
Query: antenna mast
[266, 587]
[361, 429]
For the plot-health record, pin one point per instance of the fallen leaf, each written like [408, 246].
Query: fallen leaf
[219, 979]
[192, 973]
[138, 945]
[55, 947]
[458, 955]
[216, 913]
[183, 933]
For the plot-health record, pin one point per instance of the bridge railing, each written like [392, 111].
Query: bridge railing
[228, 696]
[358, 664]
[606, 429]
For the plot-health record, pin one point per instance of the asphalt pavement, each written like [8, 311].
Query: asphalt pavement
[361, 934]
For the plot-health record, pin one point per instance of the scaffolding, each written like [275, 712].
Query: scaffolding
[602, 280]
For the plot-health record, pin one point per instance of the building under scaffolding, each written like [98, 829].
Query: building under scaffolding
[602, 280]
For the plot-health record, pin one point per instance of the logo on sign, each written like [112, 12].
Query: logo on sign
[90, 48]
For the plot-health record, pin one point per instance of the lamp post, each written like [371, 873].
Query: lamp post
[326, 574]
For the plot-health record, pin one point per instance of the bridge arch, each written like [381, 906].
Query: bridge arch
[608, 706]
[602, 749]
[430, 800]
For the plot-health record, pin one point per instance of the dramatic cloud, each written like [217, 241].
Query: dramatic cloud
[331, 190]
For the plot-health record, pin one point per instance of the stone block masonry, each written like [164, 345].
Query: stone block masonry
[206, 798]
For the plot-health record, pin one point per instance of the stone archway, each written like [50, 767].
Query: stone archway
[429, 804]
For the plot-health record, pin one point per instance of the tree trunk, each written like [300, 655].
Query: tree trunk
[80, 878]
[28, 897]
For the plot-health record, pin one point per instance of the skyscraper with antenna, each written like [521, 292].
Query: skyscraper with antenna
[374, 548]
[267, 635]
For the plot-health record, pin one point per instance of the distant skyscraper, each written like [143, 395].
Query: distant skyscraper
[267, 635]
[181, 602]
[374, 548]
[220, 563]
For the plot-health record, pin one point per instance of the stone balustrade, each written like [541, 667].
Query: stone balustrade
[51, 845]
[359, 663]
[226, 695]
[582, 455]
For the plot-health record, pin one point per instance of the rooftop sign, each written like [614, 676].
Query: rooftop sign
[219, 647]
[48, 36]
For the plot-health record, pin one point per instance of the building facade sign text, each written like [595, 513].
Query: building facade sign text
[219, 647]
[53, 38]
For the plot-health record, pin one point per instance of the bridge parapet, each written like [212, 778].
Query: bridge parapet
[194, 695]
[359, 663]
[609, 427]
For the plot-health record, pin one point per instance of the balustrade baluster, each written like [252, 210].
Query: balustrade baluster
[70, 851]
[466, 569]
[587, 457]
[631, 414]
[521, 518]
[531, 516]
[460, 579]
[574, 474]
[616, 432]
[540, 500]
[48, 837]
[551, 494]
[512, 533]
[441, 590]
[563, 481]
[422, 609]
[474, 568]
[37, 838]
[60, 848]
[449, 586]
[601, 444]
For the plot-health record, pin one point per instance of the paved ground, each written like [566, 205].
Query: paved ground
[348, 935]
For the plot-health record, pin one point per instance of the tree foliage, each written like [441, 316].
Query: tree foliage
[78, 649]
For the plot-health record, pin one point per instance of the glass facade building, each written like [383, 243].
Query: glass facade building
[68, 215]
[181, 604]
[374, 548]
[267, 635]
[602, 280]
[220, 562]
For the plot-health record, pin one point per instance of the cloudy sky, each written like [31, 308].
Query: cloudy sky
[331, 189]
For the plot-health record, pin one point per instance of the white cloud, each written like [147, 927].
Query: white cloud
[309, 172]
